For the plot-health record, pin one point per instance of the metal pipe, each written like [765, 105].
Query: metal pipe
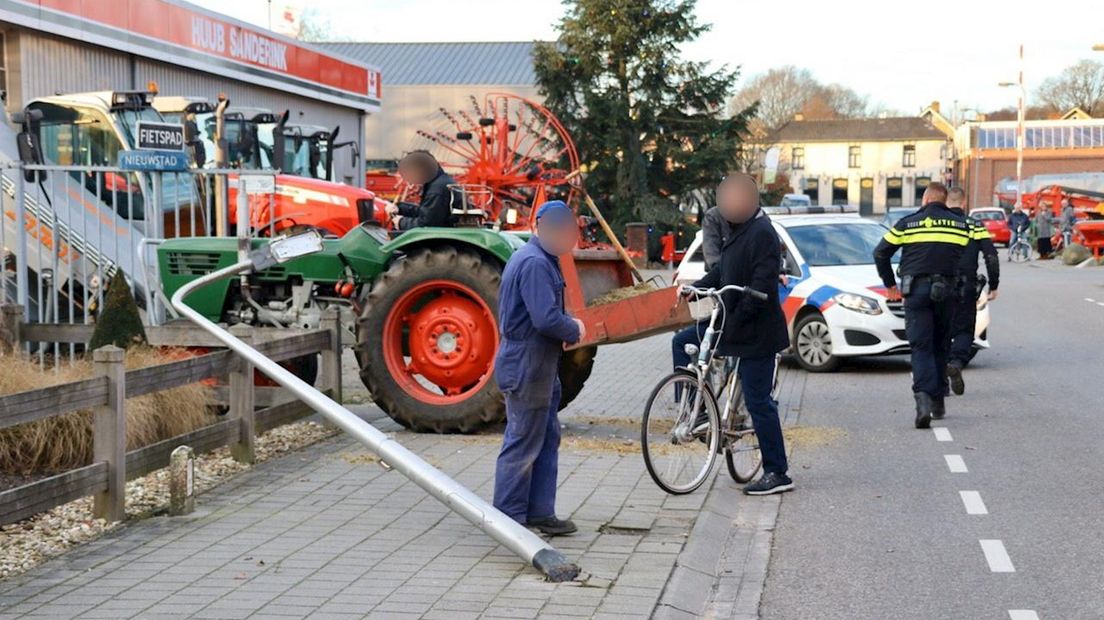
[511, 534]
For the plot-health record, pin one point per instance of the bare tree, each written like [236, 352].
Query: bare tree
[785, 91]
[780, 92]
[1080, 85]
[316, 27]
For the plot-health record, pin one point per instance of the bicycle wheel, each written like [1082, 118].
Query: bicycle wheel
[680, 434]
[742, 454]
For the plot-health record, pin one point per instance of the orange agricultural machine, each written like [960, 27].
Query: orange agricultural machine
[1088, 206]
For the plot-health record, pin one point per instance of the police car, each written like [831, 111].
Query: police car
[834, 301]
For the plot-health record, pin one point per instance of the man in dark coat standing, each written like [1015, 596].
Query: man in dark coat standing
[435, 207]
[754, 330]
[534, 330]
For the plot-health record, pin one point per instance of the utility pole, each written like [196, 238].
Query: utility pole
[1019, 129]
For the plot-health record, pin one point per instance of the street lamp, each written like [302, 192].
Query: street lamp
[1019, 130]
[455, 496]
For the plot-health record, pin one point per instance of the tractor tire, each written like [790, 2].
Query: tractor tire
[575, 369]
[451, 297]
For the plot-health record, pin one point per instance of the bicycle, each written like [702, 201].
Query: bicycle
[682, 424]
[1020, 250]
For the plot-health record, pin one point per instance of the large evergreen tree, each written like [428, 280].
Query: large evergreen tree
[652, 128]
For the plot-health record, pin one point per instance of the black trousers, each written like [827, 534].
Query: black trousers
[963, 322]
[928, 327]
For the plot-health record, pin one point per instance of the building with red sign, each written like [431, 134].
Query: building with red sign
[70, 46]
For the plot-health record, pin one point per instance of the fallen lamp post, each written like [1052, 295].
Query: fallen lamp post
[511, 534]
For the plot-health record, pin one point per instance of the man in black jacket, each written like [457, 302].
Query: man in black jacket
[964, 317]
[754, 330]
[435, 207]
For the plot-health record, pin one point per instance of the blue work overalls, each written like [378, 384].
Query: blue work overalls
[533, 327]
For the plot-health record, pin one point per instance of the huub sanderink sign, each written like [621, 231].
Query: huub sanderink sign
[154, 136]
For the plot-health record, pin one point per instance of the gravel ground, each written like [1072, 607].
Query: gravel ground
[28, 543]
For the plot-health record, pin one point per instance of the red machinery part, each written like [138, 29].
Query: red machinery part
[510, 144]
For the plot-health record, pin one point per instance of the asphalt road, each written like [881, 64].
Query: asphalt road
[879, 526]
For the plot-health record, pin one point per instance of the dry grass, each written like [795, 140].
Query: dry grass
[64, 442]
[621, 294]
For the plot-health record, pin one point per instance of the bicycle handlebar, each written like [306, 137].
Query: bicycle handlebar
[716, 293]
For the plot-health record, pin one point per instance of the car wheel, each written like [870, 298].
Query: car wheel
[813, 344]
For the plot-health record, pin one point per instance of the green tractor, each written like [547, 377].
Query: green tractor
[422, 306]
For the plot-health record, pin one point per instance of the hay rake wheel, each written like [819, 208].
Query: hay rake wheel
[510, 144]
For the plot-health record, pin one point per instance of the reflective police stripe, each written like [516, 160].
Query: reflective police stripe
[925, 236]
[979, 233]
[893, 236]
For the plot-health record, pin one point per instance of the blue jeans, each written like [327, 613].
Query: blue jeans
[525, 474]
[757, 381]
[687, 335]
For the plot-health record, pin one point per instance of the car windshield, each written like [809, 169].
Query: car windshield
[833, 245]
[992, 216]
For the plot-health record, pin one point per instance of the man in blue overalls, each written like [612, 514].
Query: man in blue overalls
[534, 329]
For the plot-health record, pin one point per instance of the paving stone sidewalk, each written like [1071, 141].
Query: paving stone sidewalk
[328, 533]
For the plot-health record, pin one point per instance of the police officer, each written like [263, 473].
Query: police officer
[965, 311]
[932, 241]
[534, 330]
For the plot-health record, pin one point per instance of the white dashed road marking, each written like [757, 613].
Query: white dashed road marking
[942, 433]
[1090, 300]
[955, 463]
[1022, 614]
[973, 503]
[1100, 303]
[996, 556]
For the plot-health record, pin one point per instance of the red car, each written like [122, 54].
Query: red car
[996, 220]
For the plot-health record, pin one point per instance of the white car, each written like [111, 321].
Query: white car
[834, 301]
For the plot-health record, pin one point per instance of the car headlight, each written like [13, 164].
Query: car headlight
[858, 303]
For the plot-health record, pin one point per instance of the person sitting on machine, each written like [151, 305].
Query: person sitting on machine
[435, 207]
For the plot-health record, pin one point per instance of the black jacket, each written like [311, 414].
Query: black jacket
[435, 208]
[981, 242]
[749, 257]
[932, 239]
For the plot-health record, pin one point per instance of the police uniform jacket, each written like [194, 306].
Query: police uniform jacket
[931, 241]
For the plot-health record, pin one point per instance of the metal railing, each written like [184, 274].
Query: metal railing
[66, 230]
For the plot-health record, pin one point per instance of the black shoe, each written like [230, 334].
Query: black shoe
[939, 408]
[954, 373]
[769, 484]
[552, 526]
[923, 410]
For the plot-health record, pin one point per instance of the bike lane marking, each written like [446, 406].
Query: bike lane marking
[996, 556]
[973, 503]
[955, 463]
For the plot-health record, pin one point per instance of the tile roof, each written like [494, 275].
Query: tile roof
[506, 63]
[857, 130]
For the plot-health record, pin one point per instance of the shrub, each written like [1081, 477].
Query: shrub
[65, 442]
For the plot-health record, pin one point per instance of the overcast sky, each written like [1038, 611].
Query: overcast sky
[901, 53]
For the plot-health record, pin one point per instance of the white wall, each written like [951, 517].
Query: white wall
[391, 132]
[827, 161]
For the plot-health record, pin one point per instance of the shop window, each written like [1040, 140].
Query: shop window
[812, 190]
[893, 192]
[908, 159]
[854, 157]
[922, 184]
[797, 158]
[839, 191]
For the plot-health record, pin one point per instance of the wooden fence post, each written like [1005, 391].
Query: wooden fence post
[242, 400]
[11, 317]
[330, 369]
[109, 433]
